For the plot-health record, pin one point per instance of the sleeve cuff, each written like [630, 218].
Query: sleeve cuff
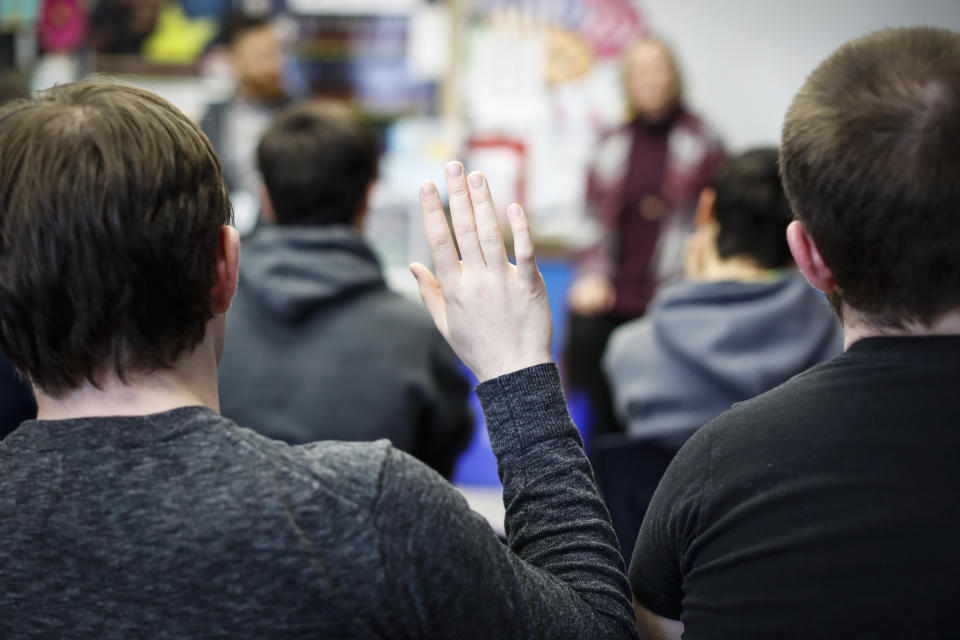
[525, 407]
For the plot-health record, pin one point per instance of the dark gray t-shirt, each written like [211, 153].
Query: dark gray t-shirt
[182, 524]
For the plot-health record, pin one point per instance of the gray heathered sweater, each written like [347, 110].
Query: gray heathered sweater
[184, 525]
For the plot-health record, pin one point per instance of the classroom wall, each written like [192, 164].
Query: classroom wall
[743, 60]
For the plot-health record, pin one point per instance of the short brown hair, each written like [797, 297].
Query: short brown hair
[111, 203]
[870, 162]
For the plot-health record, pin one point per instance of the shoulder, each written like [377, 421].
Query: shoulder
[401, 307]
[629, 341]
[413, 499]
[671, 298]
[611, 154]
[347, 472]
[776, 419]
[612, 133]
[692, 140]
[695, 124]
[393, 318]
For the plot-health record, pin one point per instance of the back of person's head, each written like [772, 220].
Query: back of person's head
[870, 162]
[111, 205]
[751, 209]
[317, 160]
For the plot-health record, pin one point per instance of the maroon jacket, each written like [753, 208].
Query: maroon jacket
[693, 153]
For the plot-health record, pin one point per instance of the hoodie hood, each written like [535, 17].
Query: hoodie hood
[292, 271]
[707, 345]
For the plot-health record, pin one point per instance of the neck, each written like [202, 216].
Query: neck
[742, 269]
[857, 327]
[706, 264]
[192, 381]
[659, 117]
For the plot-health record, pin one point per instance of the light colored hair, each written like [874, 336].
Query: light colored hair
[671, 59]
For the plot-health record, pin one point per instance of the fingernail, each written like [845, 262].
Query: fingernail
[476, 180]
[428, 189]
[454, 170]
[514, 210]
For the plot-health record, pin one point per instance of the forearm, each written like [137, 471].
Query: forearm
[555, 519]
[564, 579]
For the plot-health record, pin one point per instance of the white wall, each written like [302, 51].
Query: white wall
[744, 59]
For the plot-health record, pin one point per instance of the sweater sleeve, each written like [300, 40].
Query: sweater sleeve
[560, 576]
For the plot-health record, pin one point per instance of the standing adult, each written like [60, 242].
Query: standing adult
[234, 127]
[642, 189]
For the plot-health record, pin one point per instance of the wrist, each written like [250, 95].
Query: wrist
[514, 365]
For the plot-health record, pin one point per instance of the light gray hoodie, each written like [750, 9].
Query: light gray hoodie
[704, 346]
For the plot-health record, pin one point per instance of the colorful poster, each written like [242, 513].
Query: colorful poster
[63, 26]
[16, 12]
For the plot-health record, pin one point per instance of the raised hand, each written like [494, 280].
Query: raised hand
[494, 314]
[591, 294]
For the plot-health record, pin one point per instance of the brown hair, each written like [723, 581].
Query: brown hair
[870, 162]
[671, 56]
[111, 202]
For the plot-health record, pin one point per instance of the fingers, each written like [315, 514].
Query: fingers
[523, 245]
[461, 213]
[488, 226]
[444, 253]
[431, 295]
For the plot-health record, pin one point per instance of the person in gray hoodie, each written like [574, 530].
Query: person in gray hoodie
[743, 320]
[312, 306]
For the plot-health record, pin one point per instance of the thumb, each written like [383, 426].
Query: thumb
[431, 295]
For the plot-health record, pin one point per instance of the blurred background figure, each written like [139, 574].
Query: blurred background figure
[318, 348]
[16, 397]
[121, 27]
[643, 183]
[742, 321]
[256, 56]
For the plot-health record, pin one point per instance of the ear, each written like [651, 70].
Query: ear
[694, 257]
[227, 269]
[706, 213]
[808, 259]
[266, 205]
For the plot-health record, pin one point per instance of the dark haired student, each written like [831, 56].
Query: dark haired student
[742, 321]
[131, 508]
[824, 508]
[313, 330]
